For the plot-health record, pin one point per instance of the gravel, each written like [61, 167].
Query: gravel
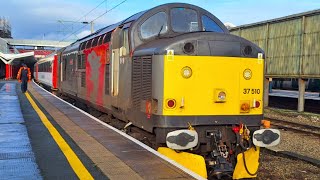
[307, 145]
[278, 168]
[304, 144]
[292, 116]
[275, 167]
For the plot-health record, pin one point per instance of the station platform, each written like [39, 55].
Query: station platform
[43, 137]
[294, 94]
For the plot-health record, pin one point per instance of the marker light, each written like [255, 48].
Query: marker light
[257, 104]
[247, 74]
[266, 123]
[245, 107]
[186, 72]
[171, 103]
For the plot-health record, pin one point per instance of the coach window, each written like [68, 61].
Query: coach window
[50, 70]
[210, 25]
[184, 20]
[155, 25]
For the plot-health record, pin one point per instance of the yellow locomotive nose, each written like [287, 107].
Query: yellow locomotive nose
[199, 86]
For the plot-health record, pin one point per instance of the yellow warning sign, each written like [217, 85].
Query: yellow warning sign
[170, 55]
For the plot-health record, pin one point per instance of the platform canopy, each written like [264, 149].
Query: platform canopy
[15, 59]
[32, 42]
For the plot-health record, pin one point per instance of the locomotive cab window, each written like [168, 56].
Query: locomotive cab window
[210, 25]
[154, 25]
[184, 20]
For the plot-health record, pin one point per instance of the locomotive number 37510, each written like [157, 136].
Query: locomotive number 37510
[251, 91]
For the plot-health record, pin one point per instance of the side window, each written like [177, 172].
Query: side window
[81, 61]
[107, 37]
[124, 51]
[156, 24]
[64, 64]
[100, 39]
[210, 25]
[88, 45]
[95, 41]
[82, 46]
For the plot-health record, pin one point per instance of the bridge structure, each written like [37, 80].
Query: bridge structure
[14, 52]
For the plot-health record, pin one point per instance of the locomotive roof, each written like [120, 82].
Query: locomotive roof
[111, 27]
[136, 17]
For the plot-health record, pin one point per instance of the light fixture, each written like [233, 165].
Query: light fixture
[171, 103]
[247, 74]
[186, 72]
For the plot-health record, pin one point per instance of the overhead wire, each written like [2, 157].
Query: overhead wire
[88, 13]
[94, 19]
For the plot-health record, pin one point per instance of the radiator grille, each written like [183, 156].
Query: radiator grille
[83, 79]
[141, 80]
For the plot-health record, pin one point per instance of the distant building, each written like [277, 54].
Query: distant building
[5, 28]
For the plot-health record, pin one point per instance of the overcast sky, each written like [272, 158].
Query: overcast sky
[46, 19]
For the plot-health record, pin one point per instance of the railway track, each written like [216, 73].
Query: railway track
[296, 127]
[312, 106]
[305, 129]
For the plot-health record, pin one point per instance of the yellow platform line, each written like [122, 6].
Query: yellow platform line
[72, 158]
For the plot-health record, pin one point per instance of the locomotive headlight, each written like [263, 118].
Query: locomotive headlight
[186, 72]
[222, 96]
[247, 74]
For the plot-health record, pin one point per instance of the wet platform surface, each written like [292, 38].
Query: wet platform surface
[17, 160]
[294, 94]
[117, 156]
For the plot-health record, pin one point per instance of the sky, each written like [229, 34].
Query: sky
[61, 19]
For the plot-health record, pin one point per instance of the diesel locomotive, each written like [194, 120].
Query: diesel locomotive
[175, 71]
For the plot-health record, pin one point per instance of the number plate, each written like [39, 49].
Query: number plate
[251, 91]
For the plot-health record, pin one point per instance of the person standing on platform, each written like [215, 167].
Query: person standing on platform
[24, 76]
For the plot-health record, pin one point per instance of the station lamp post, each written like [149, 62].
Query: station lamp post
[91, 24]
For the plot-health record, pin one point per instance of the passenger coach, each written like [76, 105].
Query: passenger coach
[46, 71]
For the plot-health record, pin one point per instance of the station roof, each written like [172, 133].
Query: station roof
[31, 42]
